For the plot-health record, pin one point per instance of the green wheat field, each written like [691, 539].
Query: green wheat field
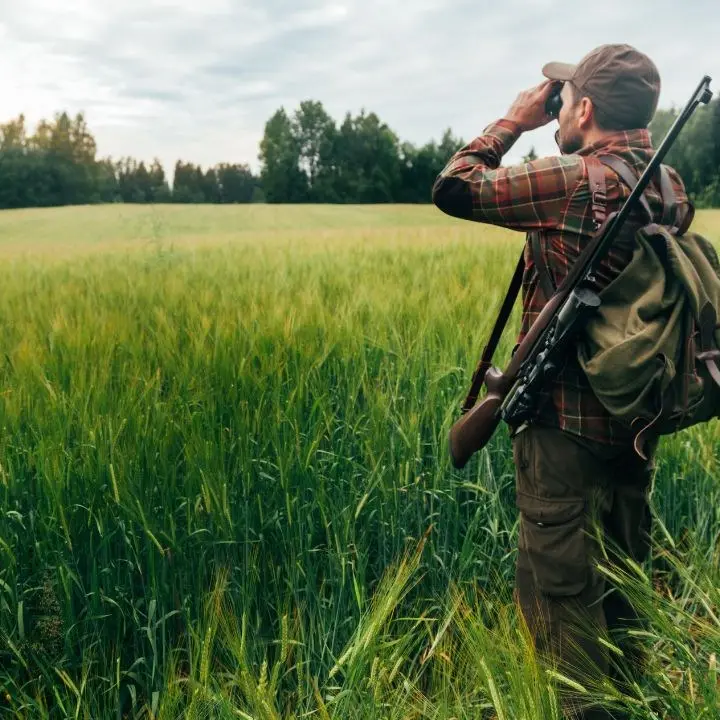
[226, 490]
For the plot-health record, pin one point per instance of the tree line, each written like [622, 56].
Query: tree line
[696, 152]
[58, 165]
[306, 157]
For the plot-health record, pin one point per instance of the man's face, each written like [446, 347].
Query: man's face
[569, 137]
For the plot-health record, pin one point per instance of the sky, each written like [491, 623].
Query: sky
[198, 79]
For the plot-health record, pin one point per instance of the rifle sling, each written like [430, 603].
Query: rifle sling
[502, 318]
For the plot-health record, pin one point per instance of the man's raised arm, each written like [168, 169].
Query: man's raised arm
[529, 196]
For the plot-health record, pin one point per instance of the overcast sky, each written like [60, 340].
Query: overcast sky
[197, 79]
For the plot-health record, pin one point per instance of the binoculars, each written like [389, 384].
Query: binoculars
[554, 101]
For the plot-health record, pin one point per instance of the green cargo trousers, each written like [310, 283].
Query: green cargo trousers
[568, 490]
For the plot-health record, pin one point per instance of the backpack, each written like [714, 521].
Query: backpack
[650, 352]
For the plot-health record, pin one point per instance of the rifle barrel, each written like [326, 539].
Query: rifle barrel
[702, 94]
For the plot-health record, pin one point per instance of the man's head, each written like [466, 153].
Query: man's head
[614, 87]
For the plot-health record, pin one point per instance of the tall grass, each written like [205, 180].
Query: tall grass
[225, 484]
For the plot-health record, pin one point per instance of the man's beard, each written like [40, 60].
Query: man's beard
[569, 144]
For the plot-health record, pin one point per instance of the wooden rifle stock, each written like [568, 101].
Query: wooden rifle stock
[478, 423]
[475, 428]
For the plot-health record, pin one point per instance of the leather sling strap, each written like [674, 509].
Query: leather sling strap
[502, 318]
[669, 200]
[598, 191]
[628, 176]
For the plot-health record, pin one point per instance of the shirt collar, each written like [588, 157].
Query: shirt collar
[622, 140]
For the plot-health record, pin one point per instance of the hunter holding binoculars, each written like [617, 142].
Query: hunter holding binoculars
[576, 464]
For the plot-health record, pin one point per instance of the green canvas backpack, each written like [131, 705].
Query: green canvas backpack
[651, 351]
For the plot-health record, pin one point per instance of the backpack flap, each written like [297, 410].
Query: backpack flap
[650, 352]
[630, 348]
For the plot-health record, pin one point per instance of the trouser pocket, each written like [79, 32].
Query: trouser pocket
[552, 544]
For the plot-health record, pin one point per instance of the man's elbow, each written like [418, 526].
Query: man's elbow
[452, 196]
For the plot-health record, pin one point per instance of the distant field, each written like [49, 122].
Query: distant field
[120, 227]
[225, 483]
[142, 225]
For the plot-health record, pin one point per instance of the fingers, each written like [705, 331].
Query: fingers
[545, 87]
[528, 110]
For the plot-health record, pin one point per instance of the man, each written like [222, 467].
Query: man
[575, 464]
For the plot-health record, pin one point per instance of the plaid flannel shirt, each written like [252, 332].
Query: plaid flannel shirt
[552, 196]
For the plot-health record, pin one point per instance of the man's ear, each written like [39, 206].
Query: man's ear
[586, 113]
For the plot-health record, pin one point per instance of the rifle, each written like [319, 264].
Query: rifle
[512, 395]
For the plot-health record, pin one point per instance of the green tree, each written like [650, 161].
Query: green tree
[282, 178]
[449, 145]
[367, 160]
[187, 183]
[236, 183]
[420, 166]
[126, 171]
[107, 189]
[158, 188]
[696, 151]
[418, 169]
[315, 133]
[13, 135]
[208, 182]
[70, 157]
[306, 158]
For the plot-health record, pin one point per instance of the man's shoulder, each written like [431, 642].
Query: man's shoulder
[566, 163]
[564, 170]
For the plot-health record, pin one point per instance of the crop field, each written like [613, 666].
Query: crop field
[225, 485]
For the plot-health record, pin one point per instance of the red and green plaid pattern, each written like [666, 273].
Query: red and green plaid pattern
[551, 195]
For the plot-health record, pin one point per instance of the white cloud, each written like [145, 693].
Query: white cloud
[197, 80]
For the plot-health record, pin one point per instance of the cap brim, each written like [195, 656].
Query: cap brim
[559, 71]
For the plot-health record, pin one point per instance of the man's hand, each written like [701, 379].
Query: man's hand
[528, 110]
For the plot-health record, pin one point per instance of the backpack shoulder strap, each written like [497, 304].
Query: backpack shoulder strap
[598, 190]
[687, 220]
[629, 177]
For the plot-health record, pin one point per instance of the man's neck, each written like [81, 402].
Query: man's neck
[595, 136]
